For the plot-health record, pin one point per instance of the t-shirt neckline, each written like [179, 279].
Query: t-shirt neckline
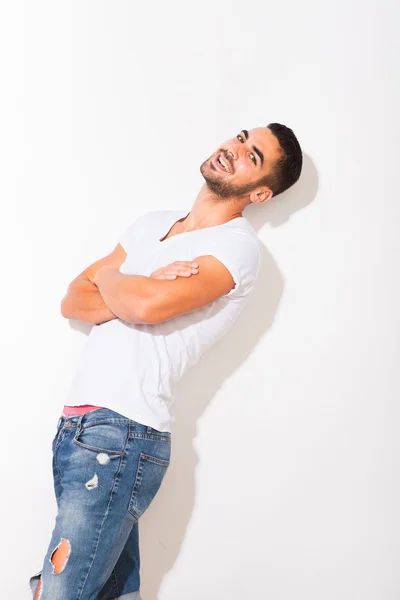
[185, 213]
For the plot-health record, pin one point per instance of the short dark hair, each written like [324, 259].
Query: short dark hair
[287, 168]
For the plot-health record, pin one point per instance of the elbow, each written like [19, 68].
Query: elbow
[146, 306]
[65, 308]
[145, 313]
[151, 317]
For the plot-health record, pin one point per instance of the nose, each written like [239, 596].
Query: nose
[232, 152]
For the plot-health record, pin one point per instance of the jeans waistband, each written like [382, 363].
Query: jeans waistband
[105, 414]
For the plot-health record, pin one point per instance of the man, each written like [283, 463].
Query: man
[151, 323]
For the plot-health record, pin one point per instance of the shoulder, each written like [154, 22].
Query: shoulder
[240, 250]
[240, 237]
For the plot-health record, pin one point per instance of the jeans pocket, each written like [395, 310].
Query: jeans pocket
[149, 475]
[103, 437]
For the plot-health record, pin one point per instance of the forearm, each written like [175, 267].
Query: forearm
[126, 296]
[138, 299]
[84, 302]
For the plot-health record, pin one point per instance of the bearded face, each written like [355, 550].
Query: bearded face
[214, 171]
[240, 164]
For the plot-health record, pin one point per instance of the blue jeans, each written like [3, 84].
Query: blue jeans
[107, 470]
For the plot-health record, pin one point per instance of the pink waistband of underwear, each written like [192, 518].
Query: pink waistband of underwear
[81, 409]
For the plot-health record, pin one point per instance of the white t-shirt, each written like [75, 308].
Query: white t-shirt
[134, 368]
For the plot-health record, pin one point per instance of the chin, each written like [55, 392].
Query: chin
[205, 169]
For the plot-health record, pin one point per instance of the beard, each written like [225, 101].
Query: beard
[220, 187]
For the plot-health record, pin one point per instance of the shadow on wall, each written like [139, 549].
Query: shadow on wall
[163, 527]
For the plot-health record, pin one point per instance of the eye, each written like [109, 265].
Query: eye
[253, 158]
[240, 138]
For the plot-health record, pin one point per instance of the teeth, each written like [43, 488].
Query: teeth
[222, 163]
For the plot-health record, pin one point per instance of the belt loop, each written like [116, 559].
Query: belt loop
[78, 424]
[59, 422]
[149, 430]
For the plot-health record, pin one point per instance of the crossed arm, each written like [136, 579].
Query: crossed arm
[101, 293]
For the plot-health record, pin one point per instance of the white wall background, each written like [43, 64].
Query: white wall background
[284, 481]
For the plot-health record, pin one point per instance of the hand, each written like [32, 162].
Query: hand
[176, 269]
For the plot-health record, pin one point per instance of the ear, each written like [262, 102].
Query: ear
[260, 195]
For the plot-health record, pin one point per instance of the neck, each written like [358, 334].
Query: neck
[208, 210]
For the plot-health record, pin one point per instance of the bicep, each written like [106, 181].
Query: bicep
[182, 295]
[114, 259]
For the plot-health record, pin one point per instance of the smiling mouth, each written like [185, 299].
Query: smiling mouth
[222, 164]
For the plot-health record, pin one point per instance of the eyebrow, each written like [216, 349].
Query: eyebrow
[256, 150]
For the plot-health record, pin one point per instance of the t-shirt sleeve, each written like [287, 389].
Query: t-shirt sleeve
[241, 255]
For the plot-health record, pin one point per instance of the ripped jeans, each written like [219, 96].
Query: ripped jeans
[107, 470]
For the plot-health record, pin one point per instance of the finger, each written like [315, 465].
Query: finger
[182, 272]
[186, 263]
[161, 275]
[179, 272]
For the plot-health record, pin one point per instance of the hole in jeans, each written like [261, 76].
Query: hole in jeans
[60, 555]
